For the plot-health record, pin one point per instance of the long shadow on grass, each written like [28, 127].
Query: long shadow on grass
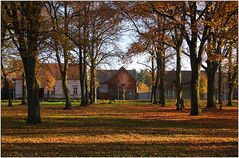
[107, 125]
[120, 149]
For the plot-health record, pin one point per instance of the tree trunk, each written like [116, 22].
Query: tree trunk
[230, 78]
[179, 104]
[211, 72]
[156, 84]
[7, 85]
[92, 83]
[162, 99]
[85, 79]
[230, 94]
[195, 95]
[153, 90]
[32, 90]
[153, 98]
[82, 82]
[66, 91]
[220, 84]
[24, 102]
[8, 93]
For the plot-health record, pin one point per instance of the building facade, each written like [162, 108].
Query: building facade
[116, 84]
[49, 72]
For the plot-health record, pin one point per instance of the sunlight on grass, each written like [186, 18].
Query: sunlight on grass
[136, 129]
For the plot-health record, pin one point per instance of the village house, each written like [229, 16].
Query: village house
[171, 92]
[50, 73]
[116, 84]
[111, 84]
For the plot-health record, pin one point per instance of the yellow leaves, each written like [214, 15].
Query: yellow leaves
[215, 57]
[143, 88]
[203, 84]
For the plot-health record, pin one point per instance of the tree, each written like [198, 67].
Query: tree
[156, 34]
[104, 29]
[58, 13]
[191, 19]
[24, 24]
[178, 41]
[232, 75]
[222, 28]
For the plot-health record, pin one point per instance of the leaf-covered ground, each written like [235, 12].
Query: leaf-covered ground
[139, 129]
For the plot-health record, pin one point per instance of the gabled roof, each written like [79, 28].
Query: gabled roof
[103, 76]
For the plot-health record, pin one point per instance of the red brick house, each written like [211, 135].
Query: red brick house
[116, 84]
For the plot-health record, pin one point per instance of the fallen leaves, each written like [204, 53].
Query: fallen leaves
[120, 130]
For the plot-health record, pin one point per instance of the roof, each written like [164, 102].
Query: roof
[53, 69]
[103, 76]
[186, 78]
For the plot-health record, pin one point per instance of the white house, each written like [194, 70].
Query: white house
[51, 71]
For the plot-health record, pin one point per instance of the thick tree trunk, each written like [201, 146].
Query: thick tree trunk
[27, 39]
[211, 72]
[195, 95]
[24, 102]
[32, 90]
[179, 104]
[220, 84]
[211, 100]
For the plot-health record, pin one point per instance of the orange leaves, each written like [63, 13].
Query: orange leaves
[143, 88]
[46, 79]
[136, 48]
[137, 129]
[203, 84]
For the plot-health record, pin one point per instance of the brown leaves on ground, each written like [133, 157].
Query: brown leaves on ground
[120, 130]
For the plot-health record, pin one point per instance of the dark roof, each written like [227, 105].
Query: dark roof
[103, 76]
[186, 78]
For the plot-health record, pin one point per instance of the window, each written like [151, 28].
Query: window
[170, 93]
[75, 90]
[53, 91]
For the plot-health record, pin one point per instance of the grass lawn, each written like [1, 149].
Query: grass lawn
[135, 129]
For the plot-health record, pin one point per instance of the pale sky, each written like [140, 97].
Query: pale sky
[125, 42]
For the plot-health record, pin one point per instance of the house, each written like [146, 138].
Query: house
[49, 78]
[116, 84]
[112, 84]
[170, 86]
